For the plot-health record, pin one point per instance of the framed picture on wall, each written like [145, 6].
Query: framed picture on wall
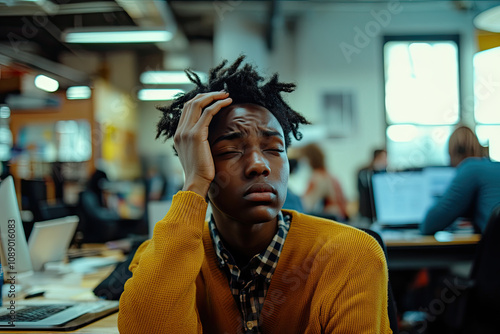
[338, 114]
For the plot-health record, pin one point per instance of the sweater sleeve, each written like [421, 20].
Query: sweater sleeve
[455, 203]
[160, 297]
[361, 305]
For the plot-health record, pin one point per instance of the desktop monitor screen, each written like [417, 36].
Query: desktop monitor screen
[14, 252]
[403, 198]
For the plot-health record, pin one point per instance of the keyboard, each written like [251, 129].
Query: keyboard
[35, 313]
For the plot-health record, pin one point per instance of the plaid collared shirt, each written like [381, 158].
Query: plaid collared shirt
[249, 285]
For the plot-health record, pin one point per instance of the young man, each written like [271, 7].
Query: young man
[253, 268]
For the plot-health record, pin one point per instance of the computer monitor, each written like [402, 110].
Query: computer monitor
[438, 180]
[50, 239]
[402, 199]
[14, 252]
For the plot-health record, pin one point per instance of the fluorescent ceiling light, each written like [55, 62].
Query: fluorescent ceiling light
[158, 94]
[4, 111]
[45, 83]
[107, 35]
[489, 20]
[169, 77]
[78, 93]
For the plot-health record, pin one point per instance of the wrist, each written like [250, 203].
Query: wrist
[197, 187]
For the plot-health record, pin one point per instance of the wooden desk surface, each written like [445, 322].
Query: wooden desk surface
[429, 240]
[107, 325]
[415, 251]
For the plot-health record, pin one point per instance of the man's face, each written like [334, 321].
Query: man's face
[251, 165]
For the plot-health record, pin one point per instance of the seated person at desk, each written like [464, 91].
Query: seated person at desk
[474, 191]
[324, 195]
[254, 267]
[98, 223]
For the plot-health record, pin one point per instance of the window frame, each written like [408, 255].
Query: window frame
[455, 38]
[423, 38]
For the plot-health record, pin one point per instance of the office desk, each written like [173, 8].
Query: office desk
[106, 325]
[414, 251]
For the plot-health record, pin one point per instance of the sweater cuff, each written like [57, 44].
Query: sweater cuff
[188, 205]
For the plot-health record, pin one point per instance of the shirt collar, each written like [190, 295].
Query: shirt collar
[264, 262]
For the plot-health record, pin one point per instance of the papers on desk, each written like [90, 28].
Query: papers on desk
[88, 265]
[444, 236]
[413, 235]
[399, 234]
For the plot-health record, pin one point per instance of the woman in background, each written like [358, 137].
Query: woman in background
[324, 195]
[474, 191]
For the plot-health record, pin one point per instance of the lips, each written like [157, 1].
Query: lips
[260, 192]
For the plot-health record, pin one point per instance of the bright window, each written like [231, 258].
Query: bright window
[421, 99]
[487, 100]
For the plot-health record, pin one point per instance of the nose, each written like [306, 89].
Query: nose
[257, 165]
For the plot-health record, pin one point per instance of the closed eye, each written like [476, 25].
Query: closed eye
[275, 150]
[228, 153]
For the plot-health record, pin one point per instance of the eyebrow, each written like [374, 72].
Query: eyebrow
[229, 136]
[237, 135]
[271, 133]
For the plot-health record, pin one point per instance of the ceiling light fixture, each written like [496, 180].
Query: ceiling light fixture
[116, 35]
[158, 94]
[489, 20]
[169, 77]
[46, 83]
[78, 93]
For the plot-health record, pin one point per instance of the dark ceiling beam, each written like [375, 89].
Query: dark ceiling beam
[69, 75]
[49, 8]
[271, 23]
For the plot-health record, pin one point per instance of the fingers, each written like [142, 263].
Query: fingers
[211, 111]
[193, 108]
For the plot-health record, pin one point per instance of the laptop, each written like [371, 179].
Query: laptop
[31, 314]
[41, 243]
[402, 199]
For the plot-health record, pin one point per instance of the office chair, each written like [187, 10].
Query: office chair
[483, 306]
[477, 305]
[54, 210]
[32, 193]
[365, 195]
[391, 303]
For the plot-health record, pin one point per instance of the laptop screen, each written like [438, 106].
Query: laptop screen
[403, 198]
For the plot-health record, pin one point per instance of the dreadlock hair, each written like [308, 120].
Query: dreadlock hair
[244, 85]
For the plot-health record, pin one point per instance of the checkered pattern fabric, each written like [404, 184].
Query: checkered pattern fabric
[249, 284]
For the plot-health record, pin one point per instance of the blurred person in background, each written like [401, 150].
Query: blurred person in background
[324, 196]
[377, 164]
[474, 191]
[293, 201]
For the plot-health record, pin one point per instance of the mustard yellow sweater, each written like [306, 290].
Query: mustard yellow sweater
[330, 278]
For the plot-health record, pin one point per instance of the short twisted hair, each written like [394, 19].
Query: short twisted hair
[244, 85]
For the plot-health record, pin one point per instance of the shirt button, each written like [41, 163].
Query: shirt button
[250, 325]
